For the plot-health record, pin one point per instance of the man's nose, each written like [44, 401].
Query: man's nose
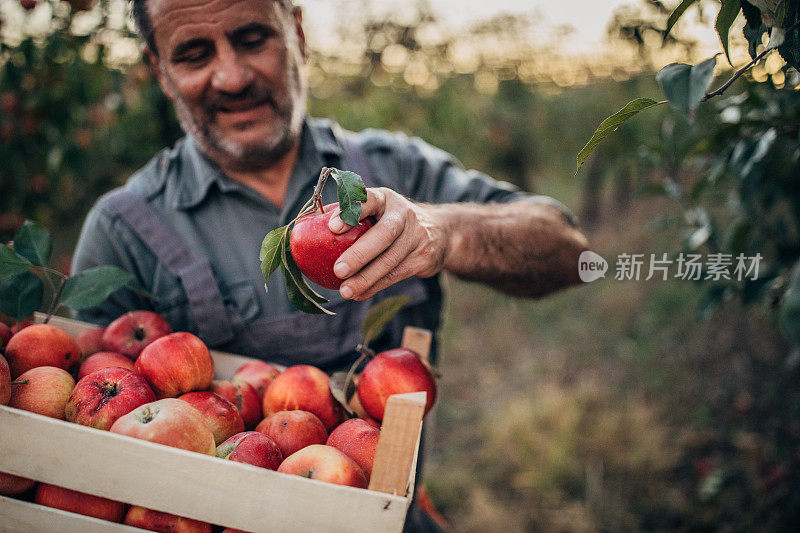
[232, 73]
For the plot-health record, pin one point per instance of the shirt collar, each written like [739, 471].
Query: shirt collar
[198, 173]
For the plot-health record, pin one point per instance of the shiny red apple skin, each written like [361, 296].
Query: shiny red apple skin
[259, 374]
[315, 248]
[358, 439]
[324, 463]
[253, 448]
[391, 372]
[153, 520]
[5, 381]
[243, 396]
[221, 415]
[168, 421]
[101, 397]
[41, 345]
[306, 388]
[43, 390]
[11, 485]
[293, 430]
[176, 363]
[80, 503]
[90, 341]
[133, 331]
[100, 360]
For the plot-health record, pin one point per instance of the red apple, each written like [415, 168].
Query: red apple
[131, 332]
[153, 520]
[171, 422]
[80, 503]
[44, 390]
[243, 396]
[90, 341]
[293, 430]
[20, 325]
[176, 363]
[5, 334]
[221, 415]
[101, 360]
[11, 485]
[5, 382]
[253, 448]
[324, 463]
[306, 388]
[41, 345]
[101, 397]
[315, 248]
[259, 374]
[394, 372]
[28, 4]
[358, 439]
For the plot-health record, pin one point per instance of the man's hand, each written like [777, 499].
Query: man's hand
[407, 240]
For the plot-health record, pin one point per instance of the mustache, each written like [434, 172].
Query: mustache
[251, 93]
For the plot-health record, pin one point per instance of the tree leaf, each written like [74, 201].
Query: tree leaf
[351, 191]
[270, 254]
[684, 85]
[21, 295]
[727, 14]
[379, 315]
[610, 124]
[700, 79]
[33, 242]
[300, 295]
[11, 263]
[677, 14]
[342, 390]
[789, 312]
[92, 287]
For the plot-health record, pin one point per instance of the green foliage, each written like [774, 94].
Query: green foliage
[685, 85]
[379, 315]
[352, 193]
[727, 14]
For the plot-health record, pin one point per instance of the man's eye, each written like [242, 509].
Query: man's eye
[194, 56]
[252, 40]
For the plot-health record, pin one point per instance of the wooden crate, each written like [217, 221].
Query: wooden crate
[202, 487]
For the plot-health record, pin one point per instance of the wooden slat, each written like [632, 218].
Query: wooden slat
[418, 340]
[18, 516]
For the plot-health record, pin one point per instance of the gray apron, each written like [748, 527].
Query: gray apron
[325, 341]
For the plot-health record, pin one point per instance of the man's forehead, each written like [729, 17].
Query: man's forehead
[171, 14]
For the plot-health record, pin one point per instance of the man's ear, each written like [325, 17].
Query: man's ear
[298, 28]
[151, 59]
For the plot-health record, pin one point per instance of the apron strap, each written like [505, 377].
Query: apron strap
[194, 272]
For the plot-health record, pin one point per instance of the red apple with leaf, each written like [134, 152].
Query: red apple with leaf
[307, 247]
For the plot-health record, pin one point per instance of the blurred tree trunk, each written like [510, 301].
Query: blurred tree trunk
[593, 191]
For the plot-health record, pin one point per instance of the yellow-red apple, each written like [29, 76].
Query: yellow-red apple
[44, 390]
[80, 503]
[153, 520]
[293, 430]
[243, 396]
[175, 364]
[358, 439]
[306, 388]
[324, 463]
[391, 372]
[101, 397]
[41, 345]
[130, 333]
[169, 421]
[259, 374]
[221, 415]
[253, 448]
[101, 360]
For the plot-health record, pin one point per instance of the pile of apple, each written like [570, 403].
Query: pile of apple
[138, 378]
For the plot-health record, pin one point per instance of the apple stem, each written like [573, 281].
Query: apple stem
[323, 177]
[54, 302]
[21, 382]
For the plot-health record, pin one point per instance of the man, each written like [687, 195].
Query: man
[190, 223]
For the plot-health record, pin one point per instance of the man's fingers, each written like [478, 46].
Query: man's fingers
[370, 245]
[374, 206]
[388, 268]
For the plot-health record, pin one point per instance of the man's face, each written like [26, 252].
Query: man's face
[233, 69]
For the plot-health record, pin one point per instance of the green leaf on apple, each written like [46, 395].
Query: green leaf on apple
[21, 295]
[342, 389]
[379, 315]
[270, 255]
[33, 242]
[12, 264]
[352, 192]
[92, 287]
[301, 295]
